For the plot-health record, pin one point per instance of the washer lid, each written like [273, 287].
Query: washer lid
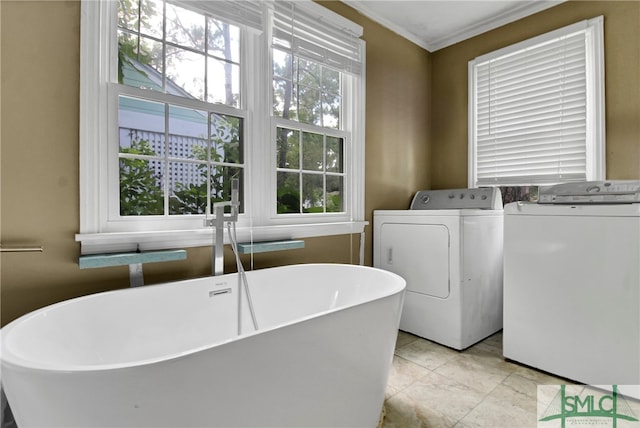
[488, 198]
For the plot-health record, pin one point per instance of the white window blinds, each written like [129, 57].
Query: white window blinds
[247, 13]
[317, 34]
[534, 111]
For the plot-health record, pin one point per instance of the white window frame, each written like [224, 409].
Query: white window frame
[102, 229]
[595, 104]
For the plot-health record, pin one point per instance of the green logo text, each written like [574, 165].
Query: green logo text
[611, 406]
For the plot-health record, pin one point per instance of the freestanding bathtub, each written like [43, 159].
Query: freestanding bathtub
[170, 356]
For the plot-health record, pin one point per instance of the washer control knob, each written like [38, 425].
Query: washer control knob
[425, 199]
[593, 189]
[451, 196]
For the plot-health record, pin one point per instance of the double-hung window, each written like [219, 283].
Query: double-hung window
[536, 110]
[180, 97]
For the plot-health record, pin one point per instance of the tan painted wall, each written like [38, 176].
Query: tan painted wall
[409, 144]
[39, 156]
[622, 88]
[398, 109]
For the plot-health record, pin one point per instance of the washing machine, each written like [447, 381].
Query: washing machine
[572, 283]
[448, 247]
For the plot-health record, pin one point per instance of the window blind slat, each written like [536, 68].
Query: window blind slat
[535, 124]
[534, 70]
[494, 73]
[526, 87]
[510, 158]
[550, 168]
[553, 87]
[524, 113]
[546, 143]
[524, 144]
[497, 91]
[545, 97]
[562, 47]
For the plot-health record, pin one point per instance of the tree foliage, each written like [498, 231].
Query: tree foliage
[139, 194]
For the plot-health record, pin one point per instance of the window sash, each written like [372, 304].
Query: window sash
[173, 163]
[534, 115]
[342, 171]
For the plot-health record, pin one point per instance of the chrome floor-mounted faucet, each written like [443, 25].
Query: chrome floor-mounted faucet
[218, 221]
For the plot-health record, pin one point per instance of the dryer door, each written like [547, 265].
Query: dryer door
[419, 253]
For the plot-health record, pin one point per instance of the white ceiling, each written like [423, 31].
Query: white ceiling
[435, 24]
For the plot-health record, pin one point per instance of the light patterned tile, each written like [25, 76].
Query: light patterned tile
[434, 386]
[507, 393]
[541, 378]
[499, 413]
[489, 356]
[485, 348]
[403, 373]
[405, 338]
[467, 370]
[522, 385]
[426, 354]
[444, 395]
[407, 411]
[510, 404]
[494, 340]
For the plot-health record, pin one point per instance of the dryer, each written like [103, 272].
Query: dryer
[448, 247]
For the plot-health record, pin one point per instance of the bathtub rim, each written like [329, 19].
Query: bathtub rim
[10, 359]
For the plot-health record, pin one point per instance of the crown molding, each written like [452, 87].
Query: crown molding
[361, 7]
[528, 8]
[434, 44]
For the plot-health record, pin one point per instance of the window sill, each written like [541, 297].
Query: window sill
[97, 243]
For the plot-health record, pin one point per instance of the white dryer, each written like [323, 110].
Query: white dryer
[448, 247]
[572, 283]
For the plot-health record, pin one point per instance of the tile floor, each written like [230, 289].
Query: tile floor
[434, 386]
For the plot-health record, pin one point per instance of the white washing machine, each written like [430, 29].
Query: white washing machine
[448, 247]
[572, 283]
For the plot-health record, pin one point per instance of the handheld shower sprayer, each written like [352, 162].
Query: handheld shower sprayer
[235, 199]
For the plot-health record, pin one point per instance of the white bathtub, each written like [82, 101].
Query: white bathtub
[169, 355]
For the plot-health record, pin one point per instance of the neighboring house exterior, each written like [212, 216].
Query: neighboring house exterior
[141, 120]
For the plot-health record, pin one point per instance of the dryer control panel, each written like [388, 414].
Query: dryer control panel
[487, 198]
[591, 192]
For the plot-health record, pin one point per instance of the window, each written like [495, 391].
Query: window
[536, 110]
[310, 70]
[174, 105]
